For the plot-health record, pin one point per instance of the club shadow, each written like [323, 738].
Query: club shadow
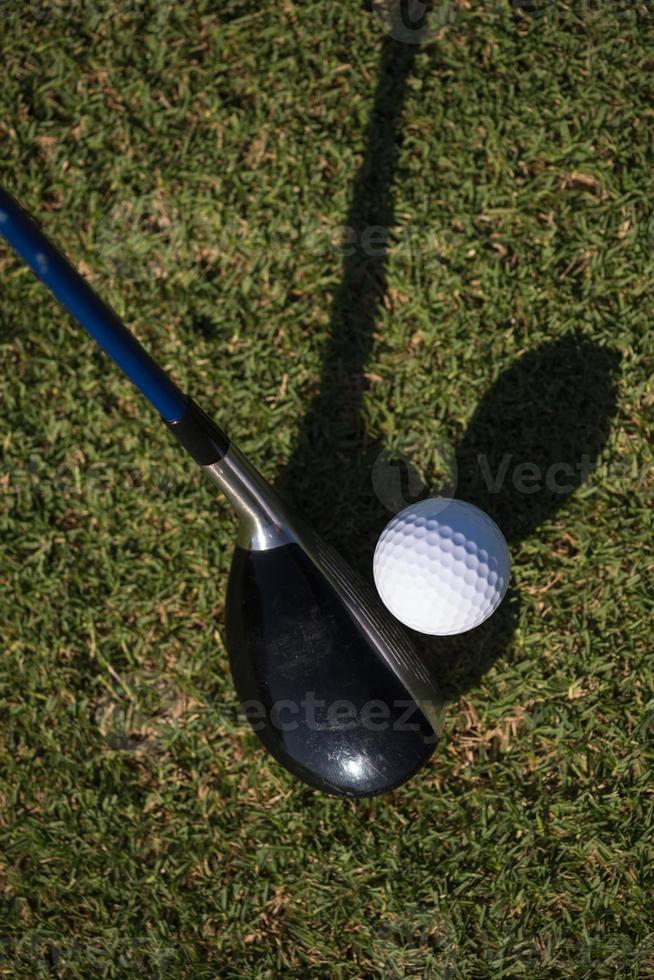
[327, 477]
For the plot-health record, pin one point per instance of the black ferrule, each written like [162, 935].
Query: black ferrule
[199, 435]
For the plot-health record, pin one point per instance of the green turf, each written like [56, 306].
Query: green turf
[200, 166]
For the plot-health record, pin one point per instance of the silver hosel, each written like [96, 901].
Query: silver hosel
[259, 509]
[265, 523]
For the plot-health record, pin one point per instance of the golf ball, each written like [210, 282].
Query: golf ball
[441, 566]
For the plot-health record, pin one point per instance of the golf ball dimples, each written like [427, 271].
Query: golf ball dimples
[441, 566]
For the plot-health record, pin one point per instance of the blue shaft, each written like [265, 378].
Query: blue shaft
[76, 296]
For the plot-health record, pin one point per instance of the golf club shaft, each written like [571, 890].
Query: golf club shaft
[195, 430]
[75, 294]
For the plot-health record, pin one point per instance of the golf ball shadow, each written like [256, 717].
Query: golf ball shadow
[538, 433]
[536, 436]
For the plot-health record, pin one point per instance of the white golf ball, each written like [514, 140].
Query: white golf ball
[441, 566]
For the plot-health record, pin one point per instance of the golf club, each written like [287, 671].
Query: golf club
[326, 677]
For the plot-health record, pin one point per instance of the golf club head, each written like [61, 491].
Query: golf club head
[316, 677]
[327, 678]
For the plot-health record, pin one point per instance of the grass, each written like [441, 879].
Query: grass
[200, 168]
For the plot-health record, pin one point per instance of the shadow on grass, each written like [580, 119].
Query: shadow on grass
[549, 414]
[328, 475]
[535, 437]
